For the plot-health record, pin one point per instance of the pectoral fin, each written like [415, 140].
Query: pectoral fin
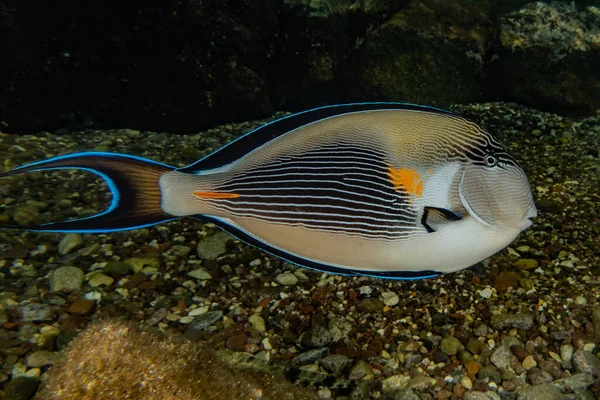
[434, 217]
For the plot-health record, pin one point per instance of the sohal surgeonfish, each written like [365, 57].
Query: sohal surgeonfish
[380, 189]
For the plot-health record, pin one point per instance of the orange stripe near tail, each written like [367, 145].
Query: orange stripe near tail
[215, 195]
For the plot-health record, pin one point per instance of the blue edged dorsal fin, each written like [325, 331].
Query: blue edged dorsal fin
[231, 228]
[265, 133]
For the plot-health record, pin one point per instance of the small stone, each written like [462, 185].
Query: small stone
[526, 264]
[309, 356]
[519, 321]
[596, 322]
[420, 383]
[286, 279]
[466, 382]
[502, 357]
[35, 312]
[33, 373]
[526, 283]
[138, 263]
[206, 319]
[211, 247]
[66, 279]
[41, 358]
[394, 383]
[21, 388]
[490, 373]
[580, 301]
[26, 214]
[335, 363]
[371, 305]
[339, 328]
[200, 274]
[486, 293]
[97, 279]
[360, 370]
[81, 306]
[566, 352]
[237, 342]
[117, 268]
[477, 395]
[586, 362]
[451, 345]
[476, 346]
[317, 336]
[69, 243]
[258, 323]
[472, 367]
[537, 377]
[529, 362]
[574, 382]
[390, 298]
[198, 311]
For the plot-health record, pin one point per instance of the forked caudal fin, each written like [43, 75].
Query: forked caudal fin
[133, 183]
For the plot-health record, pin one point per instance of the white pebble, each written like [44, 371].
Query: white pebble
[198, 311]
[486, 293]
[286, 279]
[390, 298]
[466, 382]
[200, 274]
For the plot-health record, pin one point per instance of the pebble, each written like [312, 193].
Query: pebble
[339, 328]
[574, 382]
[586, 362]
[66, 279]
[544, 391]
[371, 305]
[117, 268]
[390, 298]
[21, 388]
[40, 358]
[286, 279]
[536, 376]
[360, 370]
[526, 264]
[97, 279]
[451, 345]
[206, 319]
[519, 321]
[309, 356]
[529, 362]
[580, 301]
[596, 322]
[335, 363]
[420, 383]
[317, 336]
[466, 382]
[211, 247]
[81, 306]
[566, 352]
[200, 274]
[486, 293]
[258, 323]
[69, 243]
[394, 383]
[198, 311]
[138, 263]
[35, 312]
[502, 357]
[477, 395]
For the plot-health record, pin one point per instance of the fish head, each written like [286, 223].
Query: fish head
[495, 190]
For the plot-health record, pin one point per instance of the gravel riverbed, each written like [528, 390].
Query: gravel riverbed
[525, 325]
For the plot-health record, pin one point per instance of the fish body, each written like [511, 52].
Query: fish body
[380, 189]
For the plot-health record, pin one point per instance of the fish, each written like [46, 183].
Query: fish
[387, 190]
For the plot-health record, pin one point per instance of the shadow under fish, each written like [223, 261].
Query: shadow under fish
[388, 190]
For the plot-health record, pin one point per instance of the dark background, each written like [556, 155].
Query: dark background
[184, 65]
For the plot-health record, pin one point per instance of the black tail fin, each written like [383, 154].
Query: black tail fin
[133, 182]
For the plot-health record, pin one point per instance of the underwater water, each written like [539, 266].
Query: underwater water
[184, 310]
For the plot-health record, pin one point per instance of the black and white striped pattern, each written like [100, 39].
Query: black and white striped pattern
[335, 188]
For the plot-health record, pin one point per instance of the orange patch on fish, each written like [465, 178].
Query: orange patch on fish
[406, 178]
[215, 195]
[430, 171]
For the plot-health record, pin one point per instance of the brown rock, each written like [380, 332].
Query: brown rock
[81, 306]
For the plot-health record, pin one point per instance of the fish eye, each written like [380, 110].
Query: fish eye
[490, 160]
